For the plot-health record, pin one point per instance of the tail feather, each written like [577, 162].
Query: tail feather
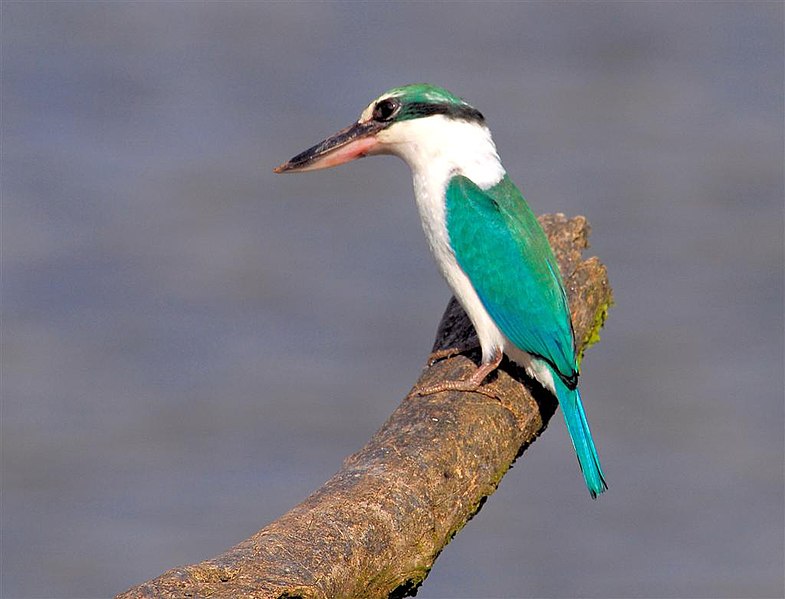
[578, 427]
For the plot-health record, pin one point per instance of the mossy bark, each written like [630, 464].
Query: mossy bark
[375, 529]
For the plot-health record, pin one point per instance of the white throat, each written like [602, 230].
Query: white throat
[437, 148]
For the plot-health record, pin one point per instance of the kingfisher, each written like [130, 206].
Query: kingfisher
[486, 240]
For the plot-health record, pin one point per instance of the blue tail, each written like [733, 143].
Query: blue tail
[578, 427]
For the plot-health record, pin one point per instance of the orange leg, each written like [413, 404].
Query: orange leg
[443, 354]
[473, 383]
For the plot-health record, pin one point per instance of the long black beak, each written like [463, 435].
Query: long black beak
[355, 141]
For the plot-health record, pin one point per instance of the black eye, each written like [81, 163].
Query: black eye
[385, 109]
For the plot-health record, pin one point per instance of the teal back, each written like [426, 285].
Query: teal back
[501, 247]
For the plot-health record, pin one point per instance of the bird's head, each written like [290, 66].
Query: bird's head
[401, 121]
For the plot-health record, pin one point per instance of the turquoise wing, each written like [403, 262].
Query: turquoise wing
[502, 248]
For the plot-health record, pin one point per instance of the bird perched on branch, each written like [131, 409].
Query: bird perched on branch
[485, 238]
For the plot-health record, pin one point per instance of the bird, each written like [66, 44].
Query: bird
[486, 241]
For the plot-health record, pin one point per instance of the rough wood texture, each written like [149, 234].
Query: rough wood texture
[376, 527]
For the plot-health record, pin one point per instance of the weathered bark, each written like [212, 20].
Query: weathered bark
[376, 527]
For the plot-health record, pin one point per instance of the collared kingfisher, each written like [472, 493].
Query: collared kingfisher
[486, 240]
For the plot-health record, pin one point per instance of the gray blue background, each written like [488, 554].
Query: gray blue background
[192, 344]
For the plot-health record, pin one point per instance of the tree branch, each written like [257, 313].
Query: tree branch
[376, 527]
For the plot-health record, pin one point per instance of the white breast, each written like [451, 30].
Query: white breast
[436, 149]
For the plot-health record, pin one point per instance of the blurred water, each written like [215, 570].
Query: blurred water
[192, 344]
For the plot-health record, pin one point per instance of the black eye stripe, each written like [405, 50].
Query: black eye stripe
[385, 110]
[452, 111]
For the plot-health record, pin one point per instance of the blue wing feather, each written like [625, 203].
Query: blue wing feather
[501, 247]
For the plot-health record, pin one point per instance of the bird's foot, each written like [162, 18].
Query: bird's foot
[472, 384]
[443, 354]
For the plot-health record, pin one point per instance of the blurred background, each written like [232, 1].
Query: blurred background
[191, 344]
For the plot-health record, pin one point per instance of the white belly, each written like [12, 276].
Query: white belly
[437, 149]
[432, 215]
